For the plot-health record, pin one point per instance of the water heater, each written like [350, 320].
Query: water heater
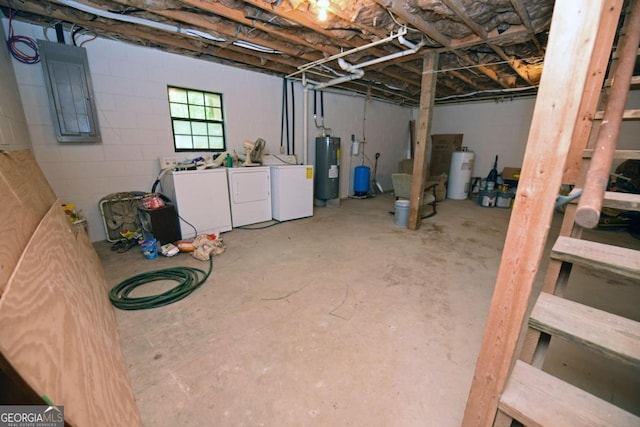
[460, 175]
[327, 178]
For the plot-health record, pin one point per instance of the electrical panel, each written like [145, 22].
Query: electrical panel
[68, 81]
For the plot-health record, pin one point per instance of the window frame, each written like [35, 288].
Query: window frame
[218, 123]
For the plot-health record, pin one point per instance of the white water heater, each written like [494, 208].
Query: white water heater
[460, 175]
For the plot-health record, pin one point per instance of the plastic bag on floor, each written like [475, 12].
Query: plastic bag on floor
[207, 245]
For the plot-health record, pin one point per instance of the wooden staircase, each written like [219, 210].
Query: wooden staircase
[509, 384]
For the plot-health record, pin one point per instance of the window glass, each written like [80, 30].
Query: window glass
[197, 118]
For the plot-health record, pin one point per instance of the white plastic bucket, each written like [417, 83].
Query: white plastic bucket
[401, 213]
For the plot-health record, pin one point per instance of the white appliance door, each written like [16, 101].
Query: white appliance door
[250, 194]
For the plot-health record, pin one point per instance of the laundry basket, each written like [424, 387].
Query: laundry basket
[120, 213]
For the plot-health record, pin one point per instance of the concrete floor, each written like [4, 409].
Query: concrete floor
[343, 319]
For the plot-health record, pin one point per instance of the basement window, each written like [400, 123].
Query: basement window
[197, 120]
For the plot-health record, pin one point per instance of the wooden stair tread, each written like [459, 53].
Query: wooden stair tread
[627, 115]
[599, 256]
[605, 333]
[635, 80]
[536, 398]
[622, 201]
[618, 155]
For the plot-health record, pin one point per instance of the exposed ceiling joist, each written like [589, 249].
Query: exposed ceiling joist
[483, 46]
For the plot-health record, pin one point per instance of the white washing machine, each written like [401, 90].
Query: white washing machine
[249, 194]
[291, 191]
[202, 199]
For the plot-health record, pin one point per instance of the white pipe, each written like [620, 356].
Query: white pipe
[407, 43]
[346, 66]
[163, 27]
[305, 120]
[402, 31]
[389, 57]
[356, 70]
[357, 74]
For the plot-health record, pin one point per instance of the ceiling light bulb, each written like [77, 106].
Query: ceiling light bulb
[322, 6]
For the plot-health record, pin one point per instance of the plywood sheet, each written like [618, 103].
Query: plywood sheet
[58, 331]
[26, 197]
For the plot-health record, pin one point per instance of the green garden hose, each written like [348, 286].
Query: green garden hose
[188, 278]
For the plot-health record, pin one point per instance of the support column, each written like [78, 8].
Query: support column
[420, 165]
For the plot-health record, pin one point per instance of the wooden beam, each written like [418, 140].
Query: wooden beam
[590, 205]
[399, 7]
[458, 75]
[557, 275]
[536, 398]
[238, 15]
[459, 11]
[493, 36]
[526, 21]
[619, 154]
[598, 256]
[420, 166]
[196, 46]
[574, 29]
[487, 71]
[303, 19]
[591, 95]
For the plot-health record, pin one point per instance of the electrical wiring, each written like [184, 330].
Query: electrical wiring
[188, 278]
[13, 41]
[79, 31]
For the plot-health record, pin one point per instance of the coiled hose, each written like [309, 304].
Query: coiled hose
[188, 278]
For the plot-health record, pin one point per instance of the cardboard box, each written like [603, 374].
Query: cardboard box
[510, 174]
[443, 146]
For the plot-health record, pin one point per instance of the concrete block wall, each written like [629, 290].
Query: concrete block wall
[14, 134]
[502, 128]
[130, 85]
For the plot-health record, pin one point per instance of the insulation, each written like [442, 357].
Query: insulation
[484, 45]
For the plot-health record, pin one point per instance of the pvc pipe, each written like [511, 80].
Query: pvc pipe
[356, 75]
[402, 31]
[305, 120]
